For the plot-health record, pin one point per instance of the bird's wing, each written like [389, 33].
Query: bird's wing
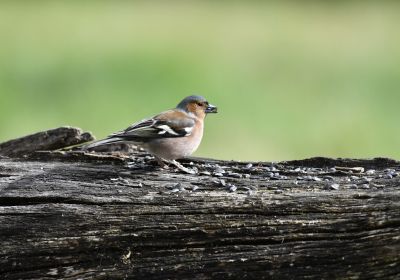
[171, 123]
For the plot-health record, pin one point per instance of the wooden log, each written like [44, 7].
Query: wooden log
[52, 139]
[79, 215]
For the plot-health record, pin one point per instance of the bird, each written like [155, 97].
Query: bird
[169, 135]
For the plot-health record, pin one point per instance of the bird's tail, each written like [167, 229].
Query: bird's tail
[103, 142]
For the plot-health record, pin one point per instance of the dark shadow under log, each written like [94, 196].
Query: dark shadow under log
[80, 215]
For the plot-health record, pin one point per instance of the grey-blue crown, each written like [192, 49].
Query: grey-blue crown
[193, 98]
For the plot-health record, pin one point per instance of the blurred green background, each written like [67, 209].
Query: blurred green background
[292, 79]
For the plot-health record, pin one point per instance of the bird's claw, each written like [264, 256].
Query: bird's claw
[182, 168]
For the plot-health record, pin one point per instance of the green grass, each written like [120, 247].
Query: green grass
[291, 80]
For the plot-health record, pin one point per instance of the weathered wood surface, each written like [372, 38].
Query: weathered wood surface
[75, 215]
[45, 140]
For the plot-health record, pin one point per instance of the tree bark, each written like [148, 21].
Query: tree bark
[78, 215]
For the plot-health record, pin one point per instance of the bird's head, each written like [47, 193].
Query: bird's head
[197, 105]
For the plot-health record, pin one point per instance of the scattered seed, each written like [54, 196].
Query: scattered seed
[235, 175]
[276, 176]
[309, 177]
[366, 180]
[335, 186]
[271, 174]
[216, 181]
[249, 165]
[389, 170]
[378, 186]
[219, 170]
[194, 188]
[329, 178]
[370, 172]
[232, 188]
[350, 169]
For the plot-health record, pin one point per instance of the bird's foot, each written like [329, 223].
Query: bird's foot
[164, 164]
[182, 168]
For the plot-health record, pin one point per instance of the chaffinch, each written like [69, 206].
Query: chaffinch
[170, 135]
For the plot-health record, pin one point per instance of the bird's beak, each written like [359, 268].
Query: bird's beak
[211, 109]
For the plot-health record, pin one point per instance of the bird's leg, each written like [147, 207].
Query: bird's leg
[182, 168]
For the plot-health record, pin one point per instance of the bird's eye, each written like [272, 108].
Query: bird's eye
[199, 104]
